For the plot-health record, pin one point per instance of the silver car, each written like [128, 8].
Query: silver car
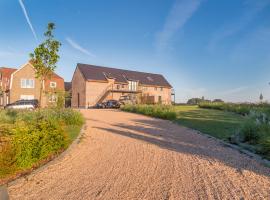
[23, 104]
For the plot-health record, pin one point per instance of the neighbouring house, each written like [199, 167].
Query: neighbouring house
[5, 74]
[22, 84]
[94, 84]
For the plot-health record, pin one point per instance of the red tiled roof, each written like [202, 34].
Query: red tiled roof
[93, 72]
[6, 72]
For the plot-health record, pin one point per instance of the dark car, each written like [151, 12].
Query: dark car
[112, 104]
[100, 105]
[23, 104]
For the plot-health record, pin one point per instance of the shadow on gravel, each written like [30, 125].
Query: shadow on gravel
[179, 139]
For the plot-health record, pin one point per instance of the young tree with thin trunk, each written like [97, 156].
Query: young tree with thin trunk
[45, 57]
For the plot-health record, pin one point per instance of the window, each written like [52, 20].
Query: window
[53, 84]
[123, 86]
[161, 89]
[52, 98]
[149, 78]
[27, 97]
[132, 85]
[118, 87]
[27, 83]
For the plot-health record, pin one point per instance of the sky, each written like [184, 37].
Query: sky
[210, 48]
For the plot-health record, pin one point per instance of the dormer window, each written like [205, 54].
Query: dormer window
[132, 85]
[149, 78]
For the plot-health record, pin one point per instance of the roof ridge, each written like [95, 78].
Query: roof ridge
[95, 72]
[118, 69]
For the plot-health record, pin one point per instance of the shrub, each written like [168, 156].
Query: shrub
[242, 109]
[35, 142]
[7, 116]
[250, 132]
[158, 111]
[27, 137]
[265, 146]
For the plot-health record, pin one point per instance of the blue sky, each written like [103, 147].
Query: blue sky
[216, 49]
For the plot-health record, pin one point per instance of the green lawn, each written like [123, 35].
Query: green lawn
[220, 124]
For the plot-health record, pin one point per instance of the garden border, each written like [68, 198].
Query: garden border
[255, 156]
[45, 163]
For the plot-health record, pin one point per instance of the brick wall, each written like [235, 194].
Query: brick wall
[78, 90]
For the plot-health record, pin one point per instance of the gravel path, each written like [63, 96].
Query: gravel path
[129, 156]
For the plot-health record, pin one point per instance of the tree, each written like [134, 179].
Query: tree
[261, 97]
[218, 101]
[45, 57]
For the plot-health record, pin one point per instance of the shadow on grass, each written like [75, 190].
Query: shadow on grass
[178, 139]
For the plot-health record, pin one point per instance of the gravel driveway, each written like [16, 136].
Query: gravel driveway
[129, 156]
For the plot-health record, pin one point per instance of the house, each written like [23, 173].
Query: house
[94, 84]
[5, 74]
[22, 84]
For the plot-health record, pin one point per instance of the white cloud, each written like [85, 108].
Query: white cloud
[75, 45]
[180, 13]
[27, 18]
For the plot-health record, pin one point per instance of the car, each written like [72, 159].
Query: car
[100, 105]
[23, 104]
[112, 104]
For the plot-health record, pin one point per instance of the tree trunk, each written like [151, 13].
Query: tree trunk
[40, 92]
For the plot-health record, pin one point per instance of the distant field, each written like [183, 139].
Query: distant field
[220, 124]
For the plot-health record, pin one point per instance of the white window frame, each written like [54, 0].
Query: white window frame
[27, 97]
[53, 84]
[132, 85]
[25, 83]
[52, 98]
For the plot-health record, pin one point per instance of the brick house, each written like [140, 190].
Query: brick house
[5, 74]
[23, 85]
[94, 84]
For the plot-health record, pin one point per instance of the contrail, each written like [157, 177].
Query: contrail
[75, 45]
[27, 19]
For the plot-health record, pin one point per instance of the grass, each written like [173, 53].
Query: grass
[247, 125]
[72, 131]
[219, 124]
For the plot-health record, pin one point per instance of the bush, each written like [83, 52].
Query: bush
[158, 111]
[250, 132]
[256, 131]
[265, 146]
[35, 142]
[242, 109]
[28, 137]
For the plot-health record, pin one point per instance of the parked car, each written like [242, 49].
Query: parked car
[23, 104]
[100, 105]
[112, 104]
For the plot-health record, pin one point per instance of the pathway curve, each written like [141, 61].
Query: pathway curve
[130, 156]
